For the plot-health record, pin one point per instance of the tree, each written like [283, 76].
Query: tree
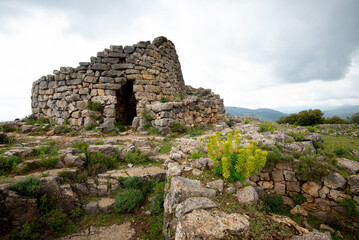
[304, 118]
[354, 118]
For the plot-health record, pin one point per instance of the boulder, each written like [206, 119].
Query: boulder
[107, 149]
[354, 183]
[105, 205]
[311, 188]
[247, 195]
[183, 188]
[76, 161]
[20, 208]
[26, 128]
[313, 236]
[299, 210]
[201, 224]
[349, 165]
[202, 163]
[334, 181]
[216, 185]
[193, 203]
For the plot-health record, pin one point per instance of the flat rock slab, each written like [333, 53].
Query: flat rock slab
[201, 224]
[312, 236]
[349, 165]
[113, 232]
[143, 172]
[195, 203]
[183, 188]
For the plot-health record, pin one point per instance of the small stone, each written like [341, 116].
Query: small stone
[247, 195]
[216, 185]
[196, 172]
[311, 188]
[299, 210]
[325, 228]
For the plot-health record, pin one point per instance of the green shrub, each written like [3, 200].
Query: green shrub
[341, 150]
[127, 200]
[66, 175]
[273, 203]
[46, 204]
[266, 127]
[196, 154]
[275, 155]
[48, 163]
[354, 118]
[335, 120]
[4, 139]
[299, 199]
[146, 115]
[7, 164]
[95, 106]
[133, 183]
[96, 162]
[120, 125]
[80, 145]
[304, 118]
[136, 157]
[235, 163]
[178, 128]
[311, 129]
[297, 135]
[315, 166]
[27, 187]
[82, 177]
[164, 99]
[350, 207]
[157, 201]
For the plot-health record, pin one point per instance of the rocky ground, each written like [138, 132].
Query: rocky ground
[85, 170]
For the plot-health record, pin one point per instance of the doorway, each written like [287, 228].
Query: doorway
[126, 103]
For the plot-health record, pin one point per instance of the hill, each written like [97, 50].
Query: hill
[342, 112]
[264, 114]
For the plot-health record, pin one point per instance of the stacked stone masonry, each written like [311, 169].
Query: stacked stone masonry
[125, 80]
[323, 198]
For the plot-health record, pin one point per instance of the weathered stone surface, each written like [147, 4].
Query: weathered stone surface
[247, 195]
[183, 188]
[350, 165]
[216, 185]
[105, 205]
[312, 236]
[202, 163]
[312, 188]
[76, 161]
[289, 222]
[334, 181]
[201, 224]
[279, 188]
[299, 210]
[21, 209]
[193, 203]
[354, 183]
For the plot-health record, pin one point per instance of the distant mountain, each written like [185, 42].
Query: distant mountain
[342, 112]
[264, 114]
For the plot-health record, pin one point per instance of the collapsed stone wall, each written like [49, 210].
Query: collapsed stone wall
[118, 78]
[201, 108]
[323, 198]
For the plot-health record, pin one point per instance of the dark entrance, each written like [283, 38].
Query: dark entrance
[126, 104]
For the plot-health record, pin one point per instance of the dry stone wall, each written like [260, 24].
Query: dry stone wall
[122, 79]
[323, 198]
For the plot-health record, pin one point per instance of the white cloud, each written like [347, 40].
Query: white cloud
[253, 53]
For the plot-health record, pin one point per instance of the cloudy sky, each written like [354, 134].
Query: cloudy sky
[253, 53]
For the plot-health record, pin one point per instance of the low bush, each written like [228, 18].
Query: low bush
[235, 162]
[133, 183]
[178, 128]
[311, 129]
[299, 199]
[4, 139]
[275, 155]
[95, 106]
[341, 150]
[127, 200]
[97, 162]
[273, 203]
[80, 145]
[196, 154]
[266, 127]
[7, 164]
[48, 163]
[297, 135]
[164, 99]
[350, 207]
[136, 157]
[27, 187]
[315, 166]
[158, 199]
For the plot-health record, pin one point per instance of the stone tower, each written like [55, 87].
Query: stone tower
[124, 80]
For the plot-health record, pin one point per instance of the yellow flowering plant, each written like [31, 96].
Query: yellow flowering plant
[232, 160]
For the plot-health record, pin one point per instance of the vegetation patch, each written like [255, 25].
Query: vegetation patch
[127, 200]
[136, 157]
[235, 162]
[8, 164]
[266, 127]
[95, 106]
[273, 203]
[297, 135]
[29, 186]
